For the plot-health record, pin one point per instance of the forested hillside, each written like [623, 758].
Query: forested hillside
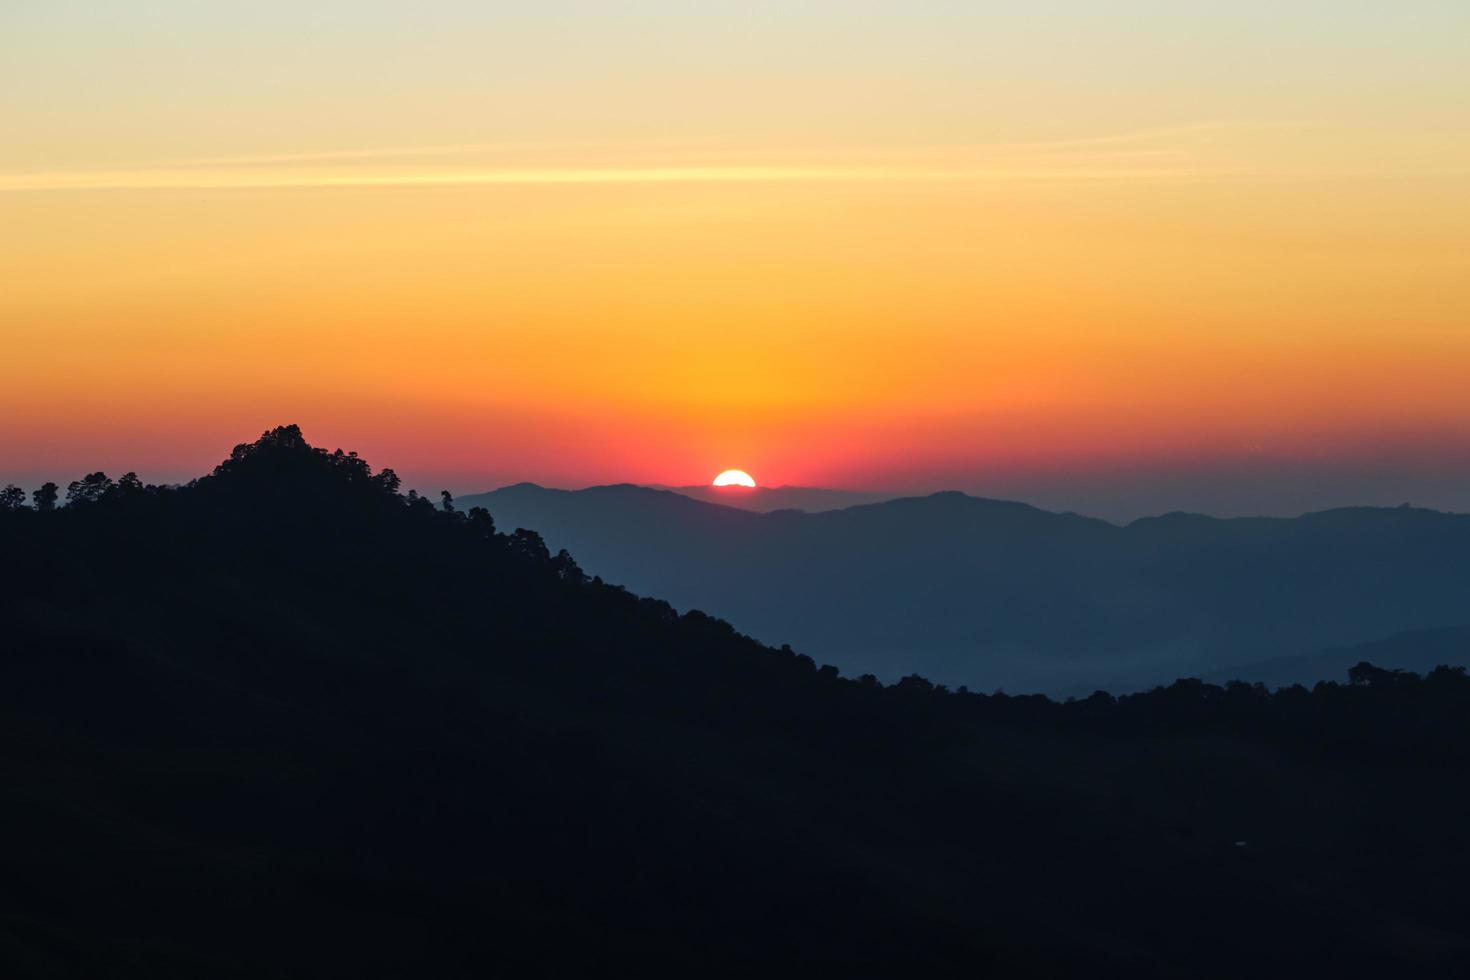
[287, 722]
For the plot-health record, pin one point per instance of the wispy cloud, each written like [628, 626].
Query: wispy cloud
[731, 146]
[1200, 152]
[262, 179]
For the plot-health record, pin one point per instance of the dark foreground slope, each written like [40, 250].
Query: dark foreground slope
[285, 723]
[994, 593]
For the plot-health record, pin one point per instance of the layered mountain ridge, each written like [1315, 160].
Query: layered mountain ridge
[287, 722]
[1001, 594]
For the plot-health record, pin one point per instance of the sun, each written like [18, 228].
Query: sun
[734, 478]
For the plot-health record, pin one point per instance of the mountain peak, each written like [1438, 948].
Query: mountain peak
[281, 465]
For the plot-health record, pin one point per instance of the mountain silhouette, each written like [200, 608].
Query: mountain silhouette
[285, 721]
[994, 593]
[767, 499]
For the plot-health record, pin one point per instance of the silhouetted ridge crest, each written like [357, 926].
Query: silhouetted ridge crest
[286, 721]
[281, 466]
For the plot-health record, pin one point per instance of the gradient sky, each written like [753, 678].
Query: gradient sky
[1120, 258]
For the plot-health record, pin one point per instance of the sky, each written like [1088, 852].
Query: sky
[1117, 258]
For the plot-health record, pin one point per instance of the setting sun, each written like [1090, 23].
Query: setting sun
[734, 478]
[362, 611]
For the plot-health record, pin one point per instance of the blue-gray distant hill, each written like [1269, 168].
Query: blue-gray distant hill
[767, 499]
[991, 593]
[1419, 651]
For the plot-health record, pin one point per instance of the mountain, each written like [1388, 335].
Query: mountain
[994, 593]
[285, 722]
[1419, 651]
[767, 499]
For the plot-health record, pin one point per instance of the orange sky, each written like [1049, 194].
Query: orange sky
[872, 245]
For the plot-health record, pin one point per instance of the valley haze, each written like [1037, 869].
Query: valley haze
[990, 593]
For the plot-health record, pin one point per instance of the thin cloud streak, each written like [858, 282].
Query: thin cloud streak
[422, 150]
[175, 180]
[1197, 152]
[249, 180]
[1098, 157]
[725, 146]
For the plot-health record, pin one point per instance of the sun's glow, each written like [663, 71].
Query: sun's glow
[734, 478]
[1036, 296]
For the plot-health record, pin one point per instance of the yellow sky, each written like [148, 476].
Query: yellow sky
[887, 244]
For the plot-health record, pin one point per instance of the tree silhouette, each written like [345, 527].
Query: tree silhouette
[482, 522]
[128, 485]
[567, 569]
[1364, 674]
[45, 497]
[89, 489]
[12, 497]
[530, 545]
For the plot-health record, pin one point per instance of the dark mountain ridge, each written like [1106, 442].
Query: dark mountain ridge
[285, 722]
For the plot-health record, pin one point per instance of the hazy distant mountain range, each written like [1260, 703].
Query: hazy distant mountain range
[993, 593]
[767, 499]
